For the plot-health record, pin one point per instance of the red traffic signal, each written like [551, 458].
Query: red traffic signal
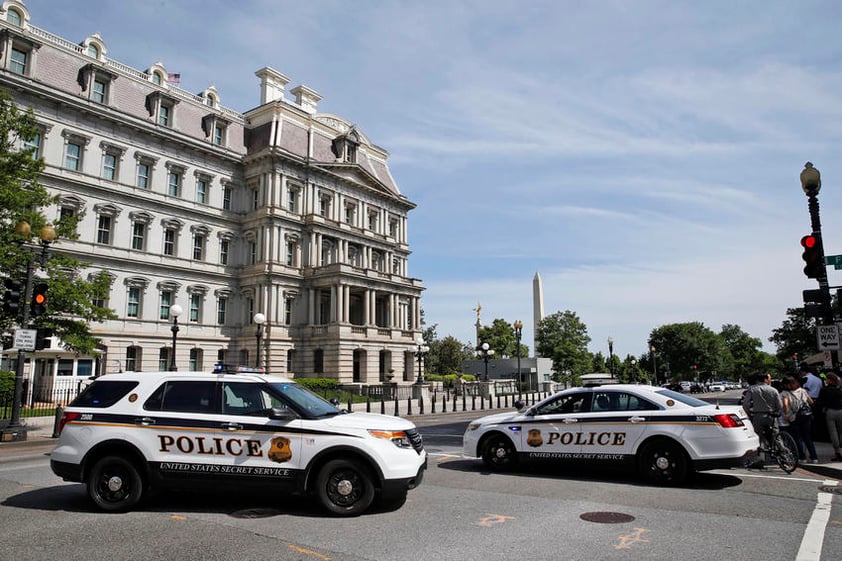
[38, 305]
[813, 256]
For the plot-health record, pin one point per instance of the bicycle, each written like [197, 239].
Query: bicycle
[781, 447]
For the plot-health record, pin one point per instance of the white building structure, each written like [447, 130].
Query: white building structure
[281, 210]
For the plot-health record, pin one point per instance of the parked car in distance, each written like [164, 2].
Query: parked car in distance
[716, 387]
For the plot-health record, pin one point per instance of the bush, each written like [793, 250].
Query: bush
[319, 385]
[7, 386]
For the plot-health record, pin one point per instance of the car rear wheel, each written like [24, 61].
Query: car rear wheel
[498, 453]
[663, 462]
[345, 487]
[114, 484]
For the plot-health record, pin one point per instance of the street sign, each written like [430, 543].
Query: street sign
[828, 337]
[835, 260]
[828, 359]
[25, 339]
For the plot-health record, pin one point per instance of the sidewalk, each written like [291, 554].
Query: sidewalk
[40, 432]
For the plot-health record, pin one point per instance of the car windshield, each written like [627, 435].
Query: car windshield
[685, 399]
[304, 401]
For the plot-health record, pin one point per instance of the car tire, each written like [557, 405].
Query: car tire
[114, 484]
[345, 487]
[663, 462]
[499, 453]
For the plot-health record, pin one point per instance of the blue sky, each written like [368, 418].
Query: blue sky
[643, 157]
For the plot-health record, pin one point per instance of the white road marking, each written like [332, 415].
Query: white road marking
[811, 543]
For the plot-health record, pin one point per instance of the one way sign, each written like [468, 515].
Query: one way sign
[828, 337]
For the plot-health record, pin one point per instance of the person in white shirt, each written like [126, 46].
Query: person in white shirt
[811, 383]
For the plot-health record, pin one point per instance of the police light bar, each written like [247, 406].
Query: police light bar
[235, 369]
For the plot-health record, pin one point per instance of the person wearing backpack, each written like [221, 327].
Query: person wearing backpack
[798, 416]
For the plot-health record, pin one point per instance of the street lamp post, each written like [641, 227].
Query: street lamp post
[518, 332]
[47, 235]
[654, 363]
[633, 377]
[484, 352]
[175, 311]
[611, 356]
[811, 183]
[259, 319]
[420, 351]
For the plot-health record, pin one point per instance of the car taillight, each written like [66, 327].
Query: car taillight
[67, 418]
[728, 421]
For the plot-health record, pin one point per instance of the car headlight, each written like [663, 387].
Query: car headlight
[474, 426]
[398, 438]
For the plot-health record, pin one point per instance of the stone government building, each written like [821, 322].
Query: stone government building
[280, 210]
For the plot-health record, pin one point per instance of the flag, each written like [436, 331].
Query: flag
[174, 78]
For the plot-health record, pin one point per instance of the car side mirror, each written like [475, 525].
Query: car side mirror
[281, 414]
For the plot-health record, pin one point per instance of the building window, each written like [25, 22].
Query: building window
[290, 254]
[195, 360]
[132, 359]
[14, 17]
[195, 307]
[324, 207]
[393, 228]
[318, 361]
[103, 230]
[33, 146]
[219, 135]
[73, 156]
[372, 221]
[143, 175]
[174, 183]
[93, 51]
[288, 311]
[99, 90]
[199, 247]
[350, 213]
[133, 302]
[109, 166]
[202, 191]
[166, 302]
[164, 115]
[169, 241]
[164, 359]
[139, 236]
[292, 200]
[18, 61]
[255, 199]
[226, 198]
[224, 250]
[221, 309]
[252, 252]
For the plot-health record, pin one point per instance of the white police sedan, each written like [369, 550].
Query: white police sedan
[663, 434]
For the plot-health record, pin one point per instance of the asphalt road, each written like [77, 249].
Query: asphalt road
[460, 512]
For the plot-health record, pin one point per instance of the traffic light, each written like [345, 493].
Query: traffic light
[43, 338]
[813, 256]
[38, 305]
[817, 304]
[12, 296]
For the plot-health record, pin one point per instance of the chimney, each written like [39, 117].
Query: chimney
[306, 98]
[272, 84]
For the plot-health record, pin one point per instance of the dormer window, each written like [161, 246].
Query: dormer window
[96, 83]
[215, 129]
[13, 17]
[345, 147]
[161, 108]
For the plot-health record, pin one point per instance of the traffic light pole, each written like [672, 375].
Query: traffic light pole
[15, 429]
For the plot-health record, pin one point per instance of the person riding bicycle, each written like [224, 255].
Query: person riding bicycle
[763, 405]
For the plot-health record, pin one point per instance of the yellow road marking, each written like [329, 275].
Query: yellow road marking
[492, 519]
[308, 552]
[630, 539]
[178, 517]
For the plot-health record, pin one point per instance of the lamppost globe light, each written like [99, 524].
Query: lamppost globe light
[175, 311]
[811, 180]
[23, 229]
[48, 233]
[419, 341]
[259, 318]
[485, 346]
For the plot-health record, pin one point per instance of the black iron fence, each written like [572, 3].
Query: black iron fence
[39, 399]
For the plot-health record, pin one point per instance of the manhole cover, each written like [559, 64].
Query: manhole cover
[255, 513]
[606, 517]
[831, 489]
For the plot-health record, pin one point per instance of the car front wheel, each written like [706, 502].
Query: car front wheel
[114, 484]
[499, 453]
[345, 487]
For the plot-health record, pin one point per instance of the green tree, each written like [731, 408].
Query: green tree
[564, 338]
[743, 354]
[446, 355]
[500, 336]
[687, 349]
[72, 298]
[796, 337]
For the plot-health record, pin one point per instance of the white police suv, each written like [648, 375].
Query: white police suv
[663, 434]
[128, 433]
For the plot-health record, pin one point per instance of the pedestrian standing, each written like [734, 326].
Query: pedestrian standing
[830, 401]
[797, 417]
[763, 405]
[811, 383]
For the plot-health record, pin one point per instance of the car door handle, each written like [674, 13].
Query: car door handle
[636, 419]
[145, 421]
[568, 421]
[231, 426]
